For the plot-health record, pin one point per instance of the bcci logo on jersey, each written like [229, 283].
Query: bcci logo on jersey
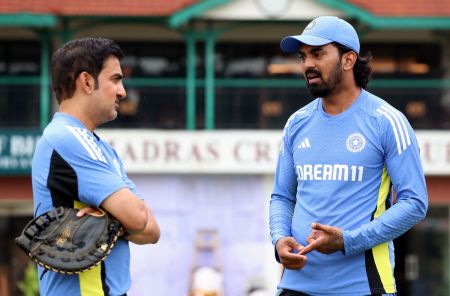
[356, 142]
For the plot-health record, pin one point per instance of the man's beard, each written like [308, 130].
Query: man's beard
[327, 87]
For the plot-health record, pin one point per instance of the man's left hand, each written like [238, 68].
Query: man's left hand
[325, 239]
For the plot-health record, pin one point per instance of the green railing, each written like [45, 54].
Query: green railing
[190, 93]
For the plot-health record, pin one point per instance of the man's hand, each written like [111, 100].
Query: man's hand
[325, 239]
[288, 250]
[93, 211]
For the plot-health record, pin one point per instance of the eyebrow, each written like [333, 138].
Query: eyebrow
[316, 49]
[117, 76]
[313, 50]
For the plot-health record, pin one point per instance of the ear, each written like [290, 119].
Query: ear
[86, 82]
[349, 60]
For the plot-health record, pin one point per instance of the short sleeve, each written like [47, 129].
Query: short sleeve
[97, 169]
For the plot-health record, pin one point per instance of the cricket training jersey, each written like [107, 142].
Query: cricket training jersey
[72, 167]
[339, 171]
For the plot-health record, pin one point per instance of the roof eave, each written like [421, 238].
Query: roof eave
[183, 16]
[25, 19]
[377, 22]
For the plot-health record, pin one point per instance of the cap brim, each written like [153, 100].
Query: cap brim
[292, 43]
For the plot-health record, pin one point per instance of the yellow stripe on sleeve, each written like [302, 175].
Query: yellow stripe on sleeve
[383, 193]
[381, 252]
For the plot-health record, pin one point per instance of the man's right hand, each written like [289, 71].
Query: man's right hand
[288, 249]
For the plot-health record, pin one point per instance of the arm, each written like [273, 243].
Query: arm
[134, 215]
[404, 168]
[281, 210]
[151, 233]
[408, 211]
[126, 207]
[283, 197]
[102, 184]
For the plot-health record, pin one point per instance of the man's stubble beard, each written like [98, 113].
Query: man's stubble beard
[328, 86]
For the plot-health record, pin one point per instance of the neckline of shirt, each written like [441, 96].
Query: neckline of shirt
[353, 106]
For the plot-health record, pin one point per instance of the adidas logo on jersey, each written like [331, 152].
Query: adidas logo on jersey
[304, 144]
[88, 142]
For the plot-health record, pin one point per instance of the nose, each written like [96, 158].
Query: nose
[308, 63]
[121, 93]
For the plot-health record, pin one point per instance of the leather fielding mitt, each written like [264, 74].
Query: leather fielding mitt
[60, 241]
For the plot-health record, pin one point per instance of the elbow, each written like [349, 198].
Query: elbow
[153, 233]
[138, 222]
[156, 235]
[423, 210]
[150, 236]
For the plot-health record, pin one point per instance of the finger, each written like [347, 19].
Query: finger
[291, 242]
[309, 240]
[316, 234]
[313, 236]
[96, 212]
[310, 247]
[82, 212]
[322, 227]
[283, 247]
[294, 261]
[89, 211]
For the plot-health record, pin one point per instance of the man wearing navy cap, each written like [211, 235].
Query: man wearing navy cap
[332, 213]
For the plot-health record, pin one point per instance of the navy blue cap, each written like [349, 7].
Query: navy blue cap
[321, 31]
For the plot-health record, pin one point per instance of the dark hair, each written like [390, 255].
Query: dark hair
[362, 69]
[76, 56]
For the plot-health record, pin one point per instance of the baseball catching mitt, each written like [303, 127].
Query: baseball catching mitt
[60, 241]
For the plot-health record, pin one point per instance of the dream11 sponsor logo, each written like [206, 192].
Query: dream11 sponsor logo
[330, 172]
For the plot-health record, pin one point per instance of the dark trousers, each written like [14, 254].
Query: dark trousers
[292, 293]
[295, 293]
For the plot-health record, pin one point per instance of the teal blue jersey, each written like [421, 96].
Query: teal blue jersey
[73, 167]
[342, 171]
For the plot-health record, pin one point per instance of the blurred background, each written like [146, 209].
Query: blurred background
[209, 92]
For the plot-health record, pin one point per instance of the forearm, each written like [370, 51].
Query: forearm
[281, 211]
[391, 224]
[150, 234]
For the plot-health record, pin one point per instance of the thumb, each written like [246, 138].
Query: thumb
[294, 244]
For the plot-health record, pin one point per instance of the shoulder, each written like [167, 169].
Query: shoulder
[295, 121]
[386, 116]
[301, 115]
[57, 134]
[393, 125]
[61, 134]
[379, 109]
[71, 139]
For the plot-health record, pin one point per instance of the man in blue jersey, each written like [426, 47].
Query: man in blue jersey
[332, 213]
[73, 167]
